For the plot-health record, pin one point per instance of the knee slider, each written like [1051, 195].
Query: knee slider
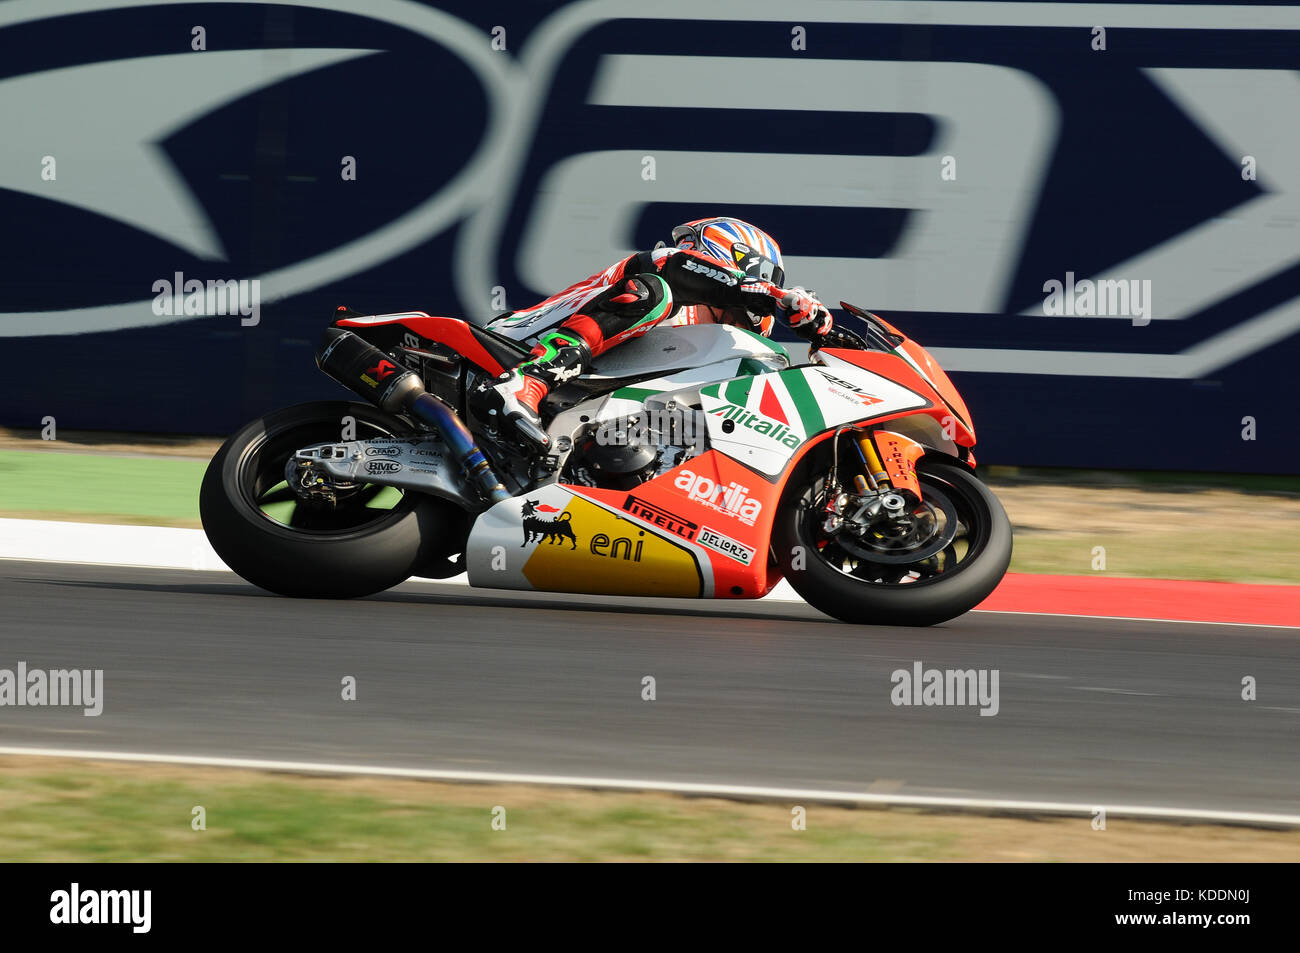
[634, 297]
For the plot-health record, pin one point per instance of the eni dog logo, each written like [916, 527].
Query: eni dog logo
[616, 556]
[537, 528]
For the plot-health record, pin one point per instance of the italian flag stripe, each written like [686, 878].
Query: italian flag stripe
[737, 391]
[804, 402]
[635, 393]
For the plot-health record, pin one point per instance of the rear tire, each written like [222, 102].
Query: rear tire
[917, 602]
[363, 552]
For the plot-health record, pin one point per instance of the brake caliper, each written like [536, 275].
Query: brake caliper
[311, 483]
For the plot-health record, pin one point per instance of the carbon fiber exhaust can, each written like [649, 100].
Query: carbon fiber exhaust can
[361, 367]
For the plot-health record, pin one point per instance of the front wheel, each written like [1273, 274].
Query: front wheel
[372, 539]
[944, 559]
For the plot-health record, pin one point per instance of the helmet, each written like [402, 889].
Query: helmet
[729, 239]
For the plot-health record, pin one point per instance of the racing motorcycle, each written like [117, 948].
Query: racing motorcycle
[697, 461]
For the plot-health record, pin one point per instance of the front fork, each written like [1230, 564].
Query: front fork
[886, 485]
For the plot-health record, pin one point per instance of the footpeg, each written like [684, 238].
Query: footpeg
[532, 432]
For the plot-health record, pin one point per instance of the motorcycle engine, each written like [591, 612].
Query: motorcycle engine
[623, 453]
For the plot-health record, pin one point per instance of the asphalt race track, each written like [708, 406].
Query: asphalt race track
[1091, 710]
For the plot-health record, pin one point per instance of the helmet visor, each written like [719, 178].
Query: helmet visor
[757, 265]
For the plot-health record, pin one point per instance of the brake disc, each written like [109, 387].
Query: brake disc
[929, 529]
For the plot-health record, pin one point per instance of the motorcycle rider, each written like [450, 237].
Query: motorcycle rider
[717, 270]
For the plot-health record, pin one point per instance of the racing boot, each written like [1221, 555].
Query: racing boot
[516, 396]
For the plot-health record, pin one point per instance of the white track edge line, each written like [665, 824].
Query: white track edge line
[729, 791]
[1135, 618]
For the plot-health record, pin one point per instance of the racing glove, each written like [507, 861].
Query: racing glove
[807, 316]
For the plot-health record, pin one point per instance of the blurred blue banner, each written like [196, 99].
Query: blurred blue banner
[1090, 212]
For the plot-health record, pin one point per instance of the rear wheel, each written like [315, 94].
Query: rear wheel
[942, 559]
[373, 539]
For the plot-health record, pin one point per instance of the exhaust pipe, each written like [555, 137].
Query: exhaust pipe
[364, 369]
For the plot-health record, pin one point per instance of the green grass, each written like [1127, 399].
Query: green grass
[1263, 558]
[76, 811]
[163, 491]
[91, 814]
[1150, 479]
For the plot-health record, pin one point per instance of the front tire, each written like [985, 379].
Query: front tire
[257, 526]
[843, 581]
